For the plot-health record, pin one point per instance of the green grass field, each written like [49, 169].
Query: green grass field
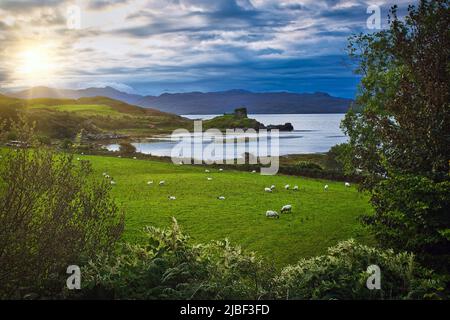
[319, 219]
[83, 109]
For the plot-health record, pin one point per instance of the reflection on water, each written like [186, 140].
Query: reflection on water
[313, 133]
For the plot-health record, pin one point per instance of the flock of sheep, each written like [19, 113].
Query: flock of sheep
[269, 213]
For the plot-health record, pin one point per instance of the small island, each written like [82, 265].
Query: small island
[239, 120]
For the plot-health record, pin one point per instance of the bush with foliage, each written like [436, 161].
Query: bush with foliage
[53, 213]
[341, 274]
[168, 266]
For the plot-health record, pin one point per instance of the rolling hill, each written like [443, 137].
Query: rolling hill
[210, 102]
[64, 118]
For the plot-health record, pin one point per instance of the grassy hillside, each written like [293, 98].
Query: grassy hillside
[320, 218]
[64, 118]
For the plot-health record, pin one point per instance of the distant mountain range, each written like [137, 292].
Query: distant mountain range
[207, 103]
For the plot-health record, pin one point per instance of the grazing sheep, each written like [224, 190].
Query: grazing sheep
[347, 184]
[272, 187]
[287, 187]
[272, 214]
[254, 171]
[172, 198]
[326, 187]
[162, 182]
[267, 190]
[295, 188]
[134, 158]
[221, 198]
[286, 209]
[206, 170]
[209, 179]
[149, 182]
[113, 182]
[220, 169]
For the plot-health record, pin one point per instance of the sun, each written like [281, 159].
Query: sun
[35, 64]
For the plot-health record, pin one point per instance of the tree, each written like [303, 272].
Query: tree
[399, 125]
[127, 148]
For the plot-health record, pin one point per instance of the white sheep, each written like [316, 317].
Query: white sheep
[149, 182]
[134, 158]
[287, 187]
[206, 170]
[221, 198]
[326, 187]
[104, 174]
[347, 184]
[272, 187]
[172, 198]
[267, 190]
[272, 214]
[286, 209]
[113, 182]
[253, 171]
[209, 178]
[162, 182]
[107, 176]
[220, 169]
[295, 188]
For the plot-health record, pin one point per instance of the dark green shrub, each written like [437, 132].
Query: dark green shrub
[411, 213]
[309, 166]
[126, 148]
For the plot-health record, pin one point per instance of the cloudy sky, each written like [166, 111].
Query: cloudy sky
[156, 46]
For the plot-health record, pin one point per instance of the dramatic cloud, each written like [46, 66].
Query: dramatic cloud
[153, 46]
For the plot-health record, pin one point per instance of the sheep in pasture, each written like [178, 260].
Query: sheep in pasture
[272, 214]
[286, 209]
[253, 171]
[134, 158]
[347, 184]
[267, 190]
[107, 176]
[220, 169]
[113, 182]
[221, 198]
[206, 170]
[326, 187]
[209, 178]
[162, 182]
[295, 188]
[287, 187]
[104, 174]
[149, 182]
[171, 198]
[272, 187]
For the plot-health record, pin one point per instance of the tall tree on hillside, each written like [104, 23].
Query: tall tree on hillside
[399, 128]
